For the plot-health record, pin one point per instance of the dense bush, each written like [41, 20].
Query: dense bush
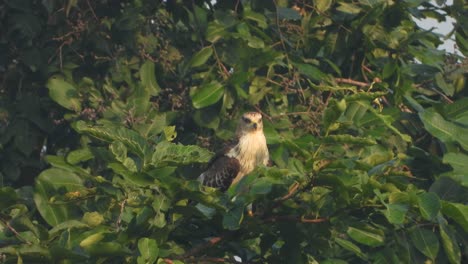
[111, 109]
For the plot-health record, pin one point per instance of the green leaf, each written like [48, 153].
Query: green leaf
[429, 205]
[63, 93]
[52, 182]
[348, 8]
[310, 71]
[167, 152]
[448, 89]
[349, 139]
[443, 129]
[139, 101]
[131, 176]
[288, 13]
[119, 150]
[70, 224]
[450, 244]
[368, 237]
[148, 249]
[322, 5]
[148, 78]
[261, 186]
[207, 94]
[8, 197]
[257, 17]
[350, 246]
[131, 139]
[396, 213]
[458, 212]
[233, 218]
[214, 32]
[425, 241]
[459, 163]
[107, 249]
[201, 57]
[79, 155]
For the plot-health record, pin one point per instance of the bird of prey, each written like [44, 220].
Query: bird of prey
[239, 159]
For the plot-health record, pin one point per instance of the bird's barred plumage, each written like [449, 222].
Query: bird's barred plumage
[241, 158]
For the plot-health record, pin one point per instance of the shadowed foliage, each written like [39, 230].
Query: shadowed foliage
[109, 111]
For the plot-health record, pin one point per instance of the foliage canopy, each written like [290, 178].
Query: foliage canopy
[110, 109]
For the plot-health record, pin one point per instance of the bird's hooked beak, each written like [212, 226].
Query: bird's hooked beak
[255, 125]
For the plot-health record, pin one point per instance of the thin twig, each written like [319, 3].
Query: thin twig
[221, 66]
[351, 81]
[119, 220]
[208, 260]
[263, 113]
[92, 10]
[13, 230]
[291, 192]
[195, 250]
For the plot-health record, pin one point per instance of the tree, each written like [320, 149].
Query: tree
[111, 108]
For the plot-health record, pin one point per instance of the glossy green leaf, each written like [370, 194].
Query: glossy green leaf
[79, 155]
[132, 140]
[350, 246]
[458, 212]
[207, 94]
[429, 205]
[449, 243]
[371, 238]
[148, 249]
[425, 241]
[167, 152]
[322, 5]
[443, 129]
[396, 213]
[348, 8]
[64, 93]
[148, 78]
[257, 17]
[459, 163]
[310, 71]
[52, 182]
[214, 32]
[201, 57]
[448, 89]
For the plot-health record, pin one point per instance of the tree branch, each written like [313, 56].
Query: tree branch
[13, 230]
[351, 81]
[195, 250]
[294, 218]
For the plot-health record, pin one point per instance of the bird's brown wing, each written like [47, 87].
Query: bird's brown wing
[221, 172]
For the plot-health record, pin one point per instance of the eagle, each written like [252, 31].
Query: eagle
[249, 149]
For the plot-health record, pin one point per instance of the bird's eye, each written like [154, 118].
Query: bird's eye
[246, 120]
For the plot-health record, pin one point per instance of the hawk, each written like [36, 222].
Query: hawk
[240, 158]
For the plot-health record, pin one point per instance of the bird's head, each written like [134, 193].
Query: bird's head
[250, 122]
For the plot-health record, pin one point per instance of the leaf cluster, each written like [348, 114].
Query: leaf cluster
[111, 109]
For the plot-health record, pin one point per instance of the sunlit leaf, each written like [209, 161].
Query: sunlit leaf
[443, 129]
[148, 249]
[207, 94]
[64, 93]
[449, 243]
[371, 238]
[201, 57]
[48, 184]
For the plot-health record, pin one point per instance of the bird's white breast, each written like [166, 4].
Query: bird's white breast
[251, 151]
